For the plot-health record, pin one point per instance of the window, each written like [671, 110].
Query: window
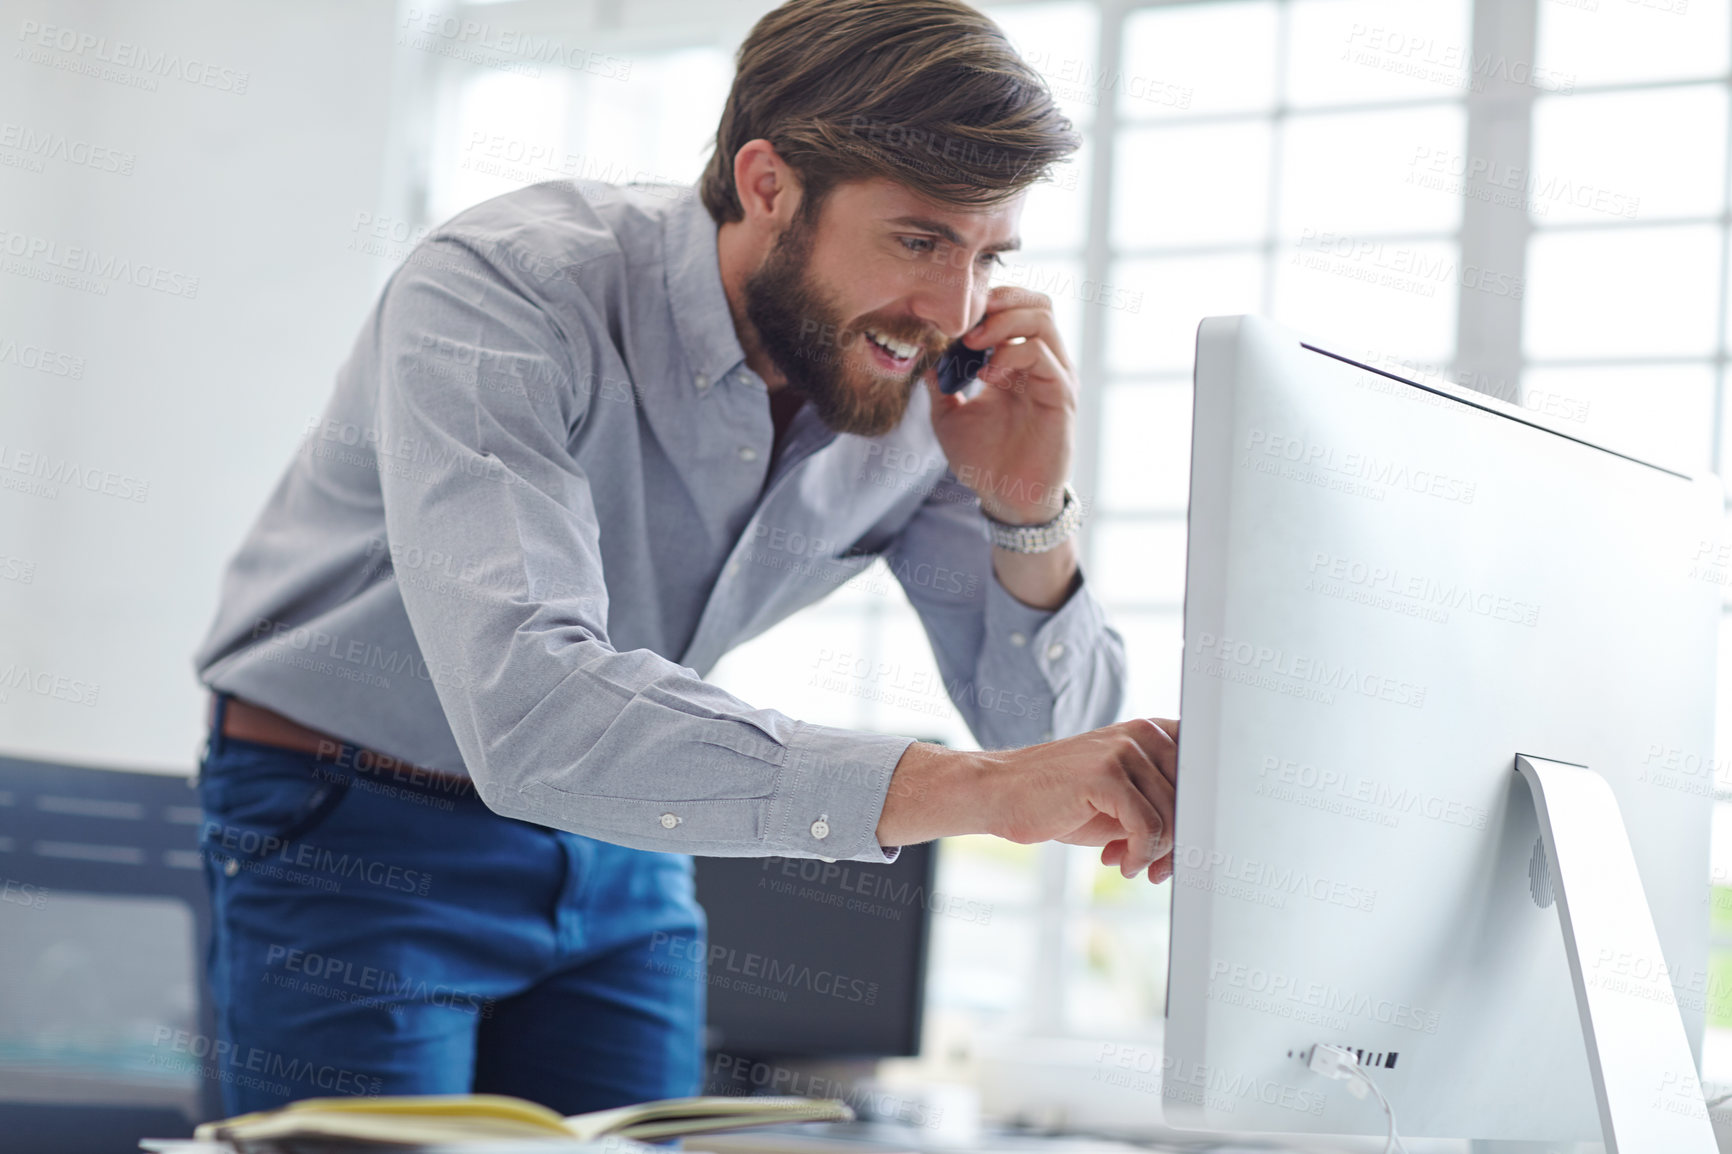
[1539, 211]
[1624, 324]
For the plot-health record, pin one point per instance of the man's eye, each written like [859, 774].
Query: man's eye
[925, 244]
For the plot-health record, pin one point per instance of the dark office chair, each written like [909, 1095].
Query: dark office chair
[104, 922]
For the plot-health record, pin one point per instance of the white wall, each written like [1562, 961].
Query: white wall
[191, 401]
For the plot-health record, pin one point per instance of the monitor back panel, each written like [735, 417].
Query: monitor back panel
[1391, 592]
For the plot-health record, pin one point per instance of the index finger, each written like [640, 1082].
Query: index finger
[1147, 762]
[1015, 311]
[1159, 738]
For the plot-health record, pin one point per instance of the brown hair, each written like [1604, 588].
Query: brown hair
[929, 93]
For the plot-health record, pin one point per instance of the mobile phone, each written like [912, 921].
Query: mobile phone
[959, 365]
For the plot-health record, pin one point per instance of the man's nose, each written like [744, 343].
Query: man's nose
[947, 301]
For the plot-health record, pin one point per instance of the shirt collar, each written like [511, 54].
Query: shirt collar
[694, 284]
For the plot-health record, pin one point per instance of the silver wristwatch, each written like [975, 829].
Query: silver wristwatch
[1038, 538]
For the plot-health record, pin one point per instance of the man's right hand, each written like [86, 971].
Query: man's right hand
[1111, 787]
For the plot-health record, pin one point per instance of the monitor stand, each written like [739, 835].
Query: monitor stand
[1644, 1076]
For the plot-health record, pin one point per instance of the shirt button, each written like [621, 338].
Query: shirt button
[1055, 651]
[821, 827]
[669, 821]
[733, 569]
[1018, 640]
[700, 380]
[232, 867]
[747, 453]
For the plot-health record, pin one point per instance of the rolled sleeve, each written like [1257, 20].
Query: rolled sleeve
[555, 725]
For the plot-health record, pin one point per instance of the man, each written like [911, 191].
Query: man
[589, 439]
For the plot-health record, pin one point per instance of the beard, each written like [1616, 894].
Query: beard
[800, 329]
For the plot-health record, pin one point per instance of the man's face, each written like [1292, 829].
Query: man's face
[856, 308]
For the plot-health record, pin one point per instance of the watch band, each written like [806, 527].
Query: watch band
[1038, 538]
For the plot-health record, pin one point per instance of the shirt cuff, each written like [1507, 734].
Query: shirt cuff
[1029, 656]
[832, 795]
[1062, 640]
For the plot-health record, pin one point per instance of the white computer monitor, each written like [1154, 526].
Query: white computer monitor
[1393, 588]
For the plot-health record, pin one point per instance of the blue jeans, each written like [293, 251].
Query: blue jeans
[377, 933]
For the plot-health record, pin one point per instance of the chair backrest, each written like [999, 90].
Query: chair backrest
[106, 1025]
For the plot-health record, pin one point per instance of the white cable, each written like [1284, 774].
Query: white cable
[1392, 1144]
[1339, 1062]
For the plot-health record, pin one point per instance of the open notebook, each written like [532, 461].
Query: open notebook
[456, 1119]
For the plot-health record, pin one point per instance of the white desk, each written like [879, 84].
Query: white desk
[881, 1138]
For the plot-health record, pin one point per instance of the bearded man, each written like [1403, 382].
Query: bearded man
[589, 439]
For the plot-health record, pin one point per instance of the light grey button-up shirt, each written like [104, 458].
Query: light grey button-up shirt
[542, 502]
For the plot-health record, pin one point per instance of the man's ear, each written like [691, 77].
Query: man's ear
[768, 188]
